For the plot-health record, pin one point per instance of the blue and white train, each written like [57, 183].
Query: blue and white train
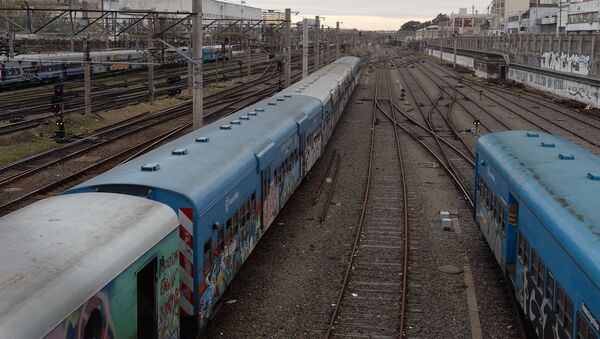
[538, 205]
[226, 182]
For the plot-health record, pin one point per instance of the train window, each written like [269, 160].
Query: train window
[568, 315]
[521, 249]
[550, 289]
[220, 236]
[540, 274]
[235, 218]
[537, 271]
[526, 253]
[207, 255]
[534, 266]
[503, 216]
[584, 331]
[247, 215]
[564, 310]
[228, 232]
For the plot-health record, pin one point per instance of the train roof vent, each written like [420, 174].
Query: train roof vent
[203, 139]
[225, 127]
[236, 122]
[260, 109]
[287, 95]
[532, 135]
[562, 156]
[593, 176]
[272, 103]
[280, 99]
[179, 151]
[547, 144]
[253, 114]
[244, 117]
[150, 167]
[298, 91]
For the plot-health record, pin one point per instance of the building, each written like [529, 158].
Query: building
[583, 16]
[474, 23]
[497, 7]
[273, 15]
[211, 9]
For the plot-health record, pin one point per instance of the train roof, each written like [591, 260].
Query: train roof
[67, 55]
[564, 194]
[229, 153]
[57, 253]
[320, 83]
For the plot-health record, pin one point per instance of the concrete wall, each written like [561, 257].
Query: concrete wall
[569, 54]
[561, 87]
[461, 60]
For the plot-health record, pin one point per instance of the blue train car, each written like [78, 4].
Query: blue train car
[228, 181]
[537, 204]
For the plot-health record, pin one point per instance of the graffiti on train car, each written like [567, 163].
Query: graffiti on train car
[227, 262]
[168, 295]
[538, 309]
[114, 307]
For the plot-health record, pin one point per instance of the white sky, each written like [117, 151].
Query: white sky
[369, 14]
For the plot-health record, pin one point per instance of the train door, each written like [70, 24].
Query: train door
[511, 241]
[146, 302]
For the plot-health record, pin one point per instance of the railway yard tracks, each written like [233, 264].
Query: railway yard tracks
[34, 177]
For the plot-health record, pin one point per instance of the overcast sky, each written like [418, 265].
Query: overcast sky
[370, 14]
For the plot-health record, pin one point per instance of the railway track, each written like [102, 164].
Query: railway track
[372, 297]
[580, 129]
[222, 104]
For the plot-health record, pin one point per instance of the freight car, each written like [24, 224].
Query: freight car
[537, 205]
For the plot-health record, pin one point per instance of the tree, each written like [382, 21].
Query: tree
[411, 26]
[440, 18]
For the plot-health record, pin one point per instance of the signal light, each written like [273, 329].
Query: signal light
[59, 92]
[55, 108]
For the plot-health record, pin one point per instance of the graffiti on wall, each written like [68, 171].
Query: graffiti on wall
[568, 63]
[565, 88]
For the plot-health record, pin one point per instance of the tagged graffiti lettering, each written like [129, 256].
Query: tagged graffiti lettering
[569, 63]
[538, 309]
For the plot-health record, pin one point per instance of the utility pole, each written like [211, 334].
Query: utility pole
[248, 58]
[327, 54]
[304, 48]
[337, 40]
[317, 43]
[151, 60]
[198, 100]
[288, 48]
[87, 79]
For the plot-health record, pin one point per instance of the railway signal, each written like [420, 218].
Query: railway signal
[173, 80]
[58, 99]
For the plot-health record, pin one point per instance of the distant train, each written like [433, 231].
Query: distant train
[100, 261]
[31, 69]
[538, 205]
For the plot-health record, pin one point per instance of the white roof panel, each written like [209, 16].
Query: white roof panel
[57, 253]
